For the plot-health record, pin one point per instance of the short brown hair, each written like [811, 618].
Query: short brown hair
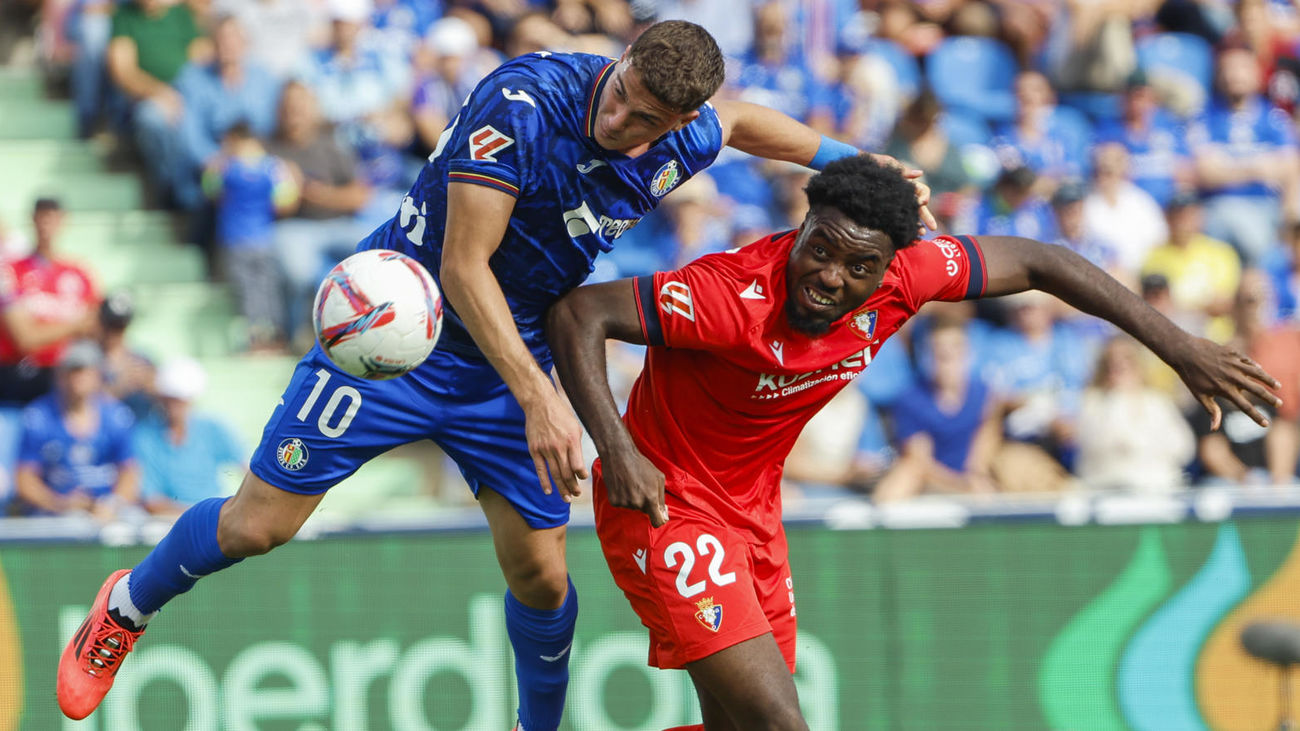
[680, 63]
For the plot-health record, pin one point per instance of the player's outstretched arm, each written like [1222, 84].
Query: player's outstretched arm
[1210, 370]
[477, 217]
[770, 134]
[577, 327]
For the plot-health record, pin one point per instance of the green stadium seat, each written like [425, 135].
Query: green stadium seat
[81, 192]
[196, 319]
[50, 158]
[21, 85]
[37, 119]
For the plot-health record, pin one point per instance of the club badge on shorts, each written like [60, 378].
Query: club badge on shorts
[709, 614]
[291, 454]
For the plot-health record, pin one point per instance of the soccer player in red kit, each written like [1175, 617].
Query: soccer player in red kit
[744, 348]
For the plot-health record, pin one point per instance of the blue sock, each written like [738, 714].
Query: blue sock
[189, 551]
[536, 634]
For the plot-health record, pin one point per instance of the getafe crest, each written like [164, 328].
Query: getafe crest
[709, 614]
[291, 454]
[665, 179]
[863, 324]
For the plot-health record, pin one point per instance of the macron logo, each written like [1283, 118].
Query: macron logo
[587, 167]
[485, 142]
[639, 557]
[778, 349]
[753, 292]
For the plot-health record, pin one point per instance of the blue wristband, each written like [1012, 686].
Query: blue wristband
[831, 150]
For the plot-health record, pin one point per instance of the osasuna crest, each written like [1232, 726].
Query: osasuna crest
[709, 614]
[291, 454]
[863, 324]
[665, 179]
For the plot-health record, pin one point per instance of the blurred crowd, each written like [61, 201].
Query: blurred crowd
[1156, 138]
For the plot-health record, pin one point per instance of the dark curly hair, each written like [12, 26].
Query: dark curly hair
[871, 195]
[679, 63]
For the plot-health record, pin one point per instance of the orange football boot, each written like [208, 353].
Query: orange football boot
[90, 661]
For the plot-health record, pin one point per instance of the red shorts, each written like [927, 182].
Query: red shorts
[697, 585]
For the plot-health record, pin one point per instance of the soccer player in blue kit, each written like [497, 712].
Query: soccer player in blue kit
[551, 159]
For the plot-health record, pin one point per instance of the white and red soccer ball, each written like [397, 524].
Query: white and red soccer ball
[378, 314]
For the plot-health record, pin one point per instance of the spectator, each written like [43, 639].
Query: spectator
[1038, 369]
[944, 429]
[919, 139]
[1092, 45]
[352, 80]
[730, 21]
[1283, 267]
[251, 187]
[1121, 214]
[128, 375]
[772, 75]
[365, 92]
[1245, 452]
[1160, 161]
[46, 302]
[151, 42]
[866, 101]
[216, 96]
[75, 451]
[611, 17]
[182, 452]
[450, 56]
[1067, 203]
[1012, 208]
[1246, 160]
[90, 27]
[280, 33]
[534, 32]
[1259, 31]
[1131, 436]
[323, 230]
[1038, 137]
[1203, 273]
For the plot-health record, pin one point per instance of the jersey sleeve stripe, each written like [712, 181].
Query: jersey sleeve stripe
[481, 179]
[594, 99]
[978, 274]
[646, 310]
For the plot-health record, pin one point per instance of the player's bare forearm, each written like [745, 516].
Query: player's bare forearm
[766, 132]
[1209, 370]
[477, 218]
[577, 327]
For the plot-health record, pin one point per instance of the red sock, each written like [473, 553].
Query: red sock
[696, 727]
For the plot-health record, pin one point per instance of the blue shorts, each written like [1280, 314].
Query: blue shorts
[329, 423]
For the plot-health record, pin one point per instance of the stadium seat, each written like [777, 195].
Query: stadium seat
[904, 64]
[91, 191]
[1178, 55]
[974, 75]
[36, 119]
[47, 158]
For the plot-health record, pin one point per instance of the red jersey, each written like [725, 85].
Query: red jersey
[728, 384]
[51, 291]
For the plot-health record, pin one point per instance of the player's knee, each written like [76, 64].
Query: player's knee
[242, 538]
[539, 584]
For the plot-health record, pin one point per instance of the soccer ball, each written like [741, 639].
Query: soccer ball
[378, 314]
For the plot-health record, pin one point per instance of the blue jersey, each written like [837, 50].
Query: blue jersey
[528, 130]
[66, 461]
[1257, 129]
[1155, 153]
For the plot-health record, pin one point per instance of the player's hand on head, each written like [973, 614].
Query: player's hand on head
[632, 481]
[1213, 371]
[922, 190]
[555, 443]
